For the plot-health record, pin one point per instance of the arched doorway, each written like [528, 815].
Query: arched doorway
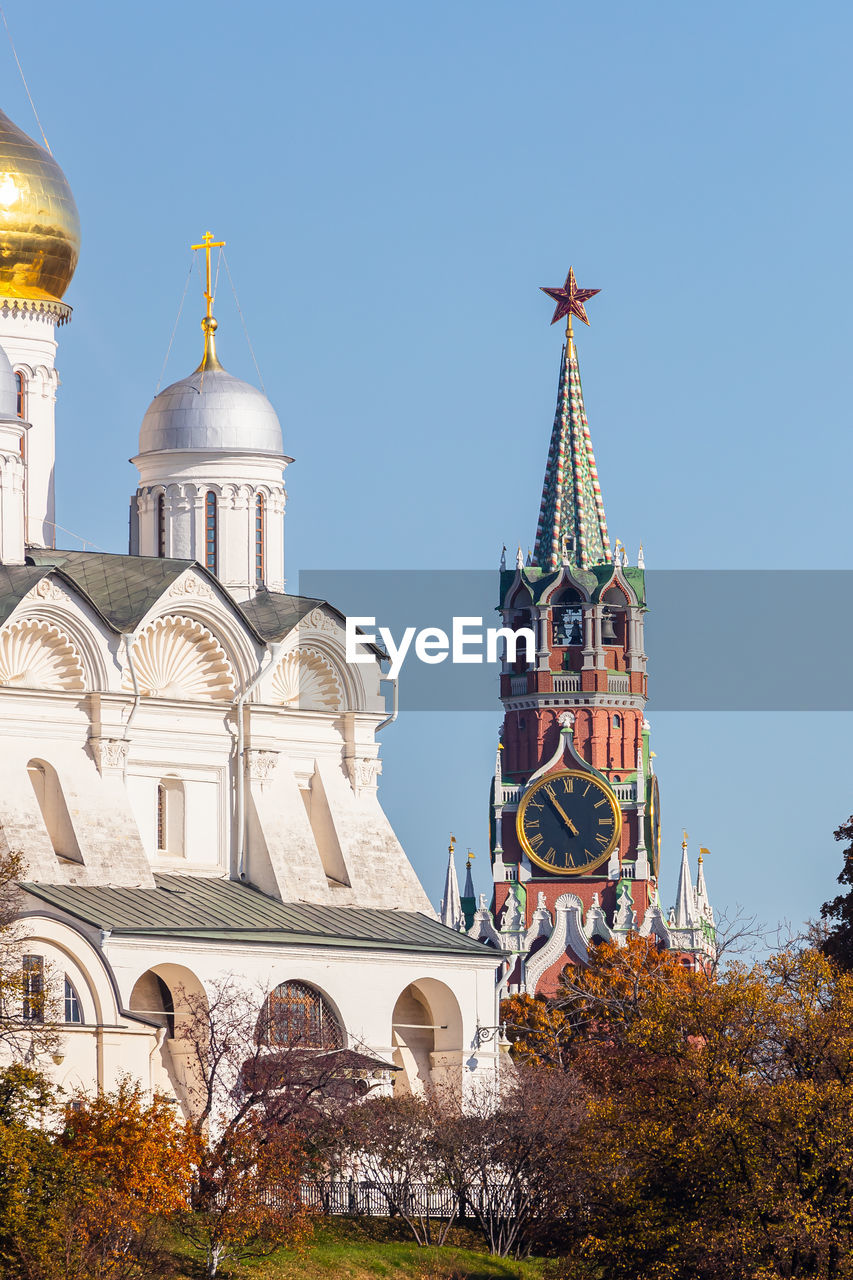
[426, 1033]
[174, 998]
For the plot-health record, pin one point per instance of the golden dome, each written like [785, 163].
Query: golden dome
[39, 226]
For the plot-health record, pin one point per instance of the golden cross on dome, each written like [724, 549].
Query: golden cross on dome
[570, 302]
[208, 324]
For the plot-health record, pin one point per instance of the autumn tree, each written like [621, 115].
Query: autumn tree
[28, 1004]
[254, 1105]
[396, 1144]
[838, 912]
[137, 1159]
[513, 1152]
[84, 1190]
[716, 1140]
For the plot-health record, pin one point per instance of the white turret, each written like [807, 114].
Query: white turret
[211, 471]
[451, 904]
[684, 916]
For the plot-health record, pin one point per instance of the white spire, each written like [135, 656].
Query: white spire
[703, 902]
[684, 899]
[451, 905]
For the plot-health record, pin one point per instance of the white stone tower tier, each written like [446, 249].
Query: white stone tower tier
[39, 247]
[211, 471]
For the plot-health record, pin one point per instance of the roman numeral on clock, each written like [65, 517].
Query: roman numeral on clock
[535, 841]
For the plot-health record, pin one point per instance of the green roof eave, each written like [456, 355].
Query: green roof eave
[182, 906]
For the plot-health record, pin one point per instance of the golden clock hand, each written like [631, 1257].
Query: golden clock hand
[555, 802]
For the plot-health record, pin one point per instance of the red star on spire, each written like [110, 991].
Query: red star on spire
[570, 299]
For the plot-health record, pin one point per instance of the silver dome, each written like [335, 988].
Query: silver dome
[8, 388]
[211, 410]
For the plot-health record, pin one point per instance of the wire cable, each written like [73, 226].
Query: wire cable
[175, 325]
[243, 322]
[24, 78]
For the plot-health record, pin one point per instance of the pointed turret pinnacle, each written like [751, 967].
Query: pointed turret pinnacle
[684, 909]
[451, 905]
[703, 902]
[572, 527]
[468, 891]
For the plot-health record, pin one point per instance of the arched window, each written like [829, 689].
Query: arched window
[170, 817]
[161, 524]
[33, 988]
[210, 531]
[54, 810]
[298, 1016]
[613, 617]
[21, 394]
[617, 722]
[260, 537]
[73, 1012]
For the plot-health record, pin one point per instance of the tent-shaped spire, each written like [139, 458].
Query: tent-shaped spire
[572, 526]
[451, 904]
[685, 914]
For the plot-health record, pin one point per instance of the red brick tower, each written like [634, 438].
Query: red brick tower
[575, 812]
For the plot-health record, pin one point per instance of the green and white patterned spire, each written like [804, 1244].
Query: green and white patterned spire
[572, 526]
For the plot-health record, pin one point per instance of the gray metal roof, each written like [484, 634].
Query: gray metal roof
[184, 906]
[211, 410]
[16, 580]
[121, 588]
[274, 615]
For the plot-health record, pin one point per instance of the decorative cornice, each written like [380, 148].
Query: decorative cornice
[49, 309]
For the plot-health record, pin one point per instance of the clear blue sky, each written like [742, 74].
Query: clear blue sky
[395, 182]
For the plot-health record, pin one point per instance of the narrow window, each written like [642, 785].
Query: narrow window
[161, 817]
[617, 722]
[21, 404]
[210, 531]
[260, 534]
[73, 1012]
[170, 817]
[161, 524]
[33, 988]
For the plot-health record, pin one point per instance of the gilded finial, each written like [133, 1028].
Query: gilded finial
[452, 845]
[703, 853]
[684, 841]
[469, 859]
[208, 324]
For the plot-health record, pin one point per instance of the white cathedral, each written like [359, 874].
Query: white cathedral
[187, 763]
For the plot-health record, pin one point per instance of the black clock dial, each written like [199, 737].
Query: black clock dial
[569, 822]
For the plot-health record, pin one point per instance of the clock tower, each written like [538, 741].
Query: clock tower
[575, 813]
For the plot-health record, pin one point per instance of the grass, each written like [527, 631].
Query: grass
[370, 1249]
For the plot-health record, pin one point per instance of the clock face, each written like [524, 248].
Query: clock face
[569, 822]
